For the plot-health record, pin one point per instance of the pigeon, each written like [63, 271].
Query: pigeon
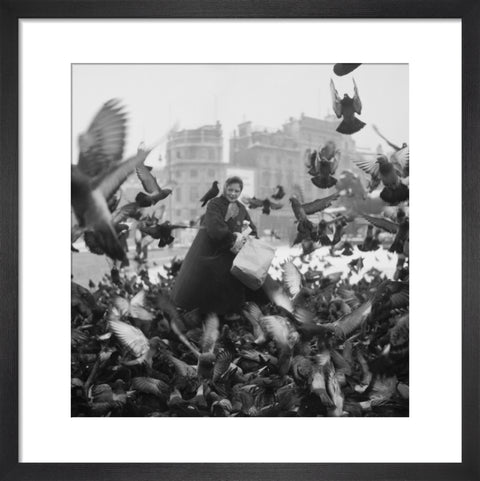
[154, 192]
[347, 249]
[207, 358]
[162, 231]
[391, 144]
[399, 228]
[133, 340]
[318, 384]
[371, 241]
[149, 385]
[390, 173]
[99, 173]
[135, 307]
[285, 337]
[323, 165]
[334, 391]
[319, 205]
[265, 204]
[346, 108]
[210, 194]
[394, 191]
[253, 314]
[342, 69]
[298, 210]
[279, 193]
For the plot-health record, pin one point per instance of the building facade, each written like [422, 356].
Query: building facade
[264, 158]
[194, 159]
[278, 158]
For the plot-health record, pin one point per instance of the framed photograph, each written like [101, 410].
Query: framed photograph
[192, 94]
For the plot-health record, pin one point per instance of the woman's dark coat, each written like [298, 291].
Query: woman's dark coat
[204, 280]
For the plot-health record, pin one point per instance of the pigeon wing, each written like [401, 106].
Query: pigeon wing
[275, 206]
[128, 210]
[253, 313]
[122, 306]
[222, 363]
[149, 182]
[369, 166]
[319, 204]
[150, 385]
[401, 159]
[334, 162]
[336, 102]
[253, 202]
[137, 309]
[382, 223]
[119, 174]
[104, 141]
[130, 337]
[357, 103]
[276, 328]
[210, 333]
[351, 322]
[292, 278]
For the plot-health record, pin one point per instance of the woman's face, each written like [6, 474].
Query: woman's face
[232, 191]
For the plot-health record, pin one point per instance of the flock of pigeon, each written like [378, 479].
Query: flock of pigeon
[323, 345]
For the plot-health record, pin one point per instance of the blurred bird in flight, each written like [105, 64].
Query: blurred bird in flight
[100, 172]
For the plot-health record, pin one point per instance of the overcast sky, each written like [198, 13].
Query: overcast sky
[157, 96]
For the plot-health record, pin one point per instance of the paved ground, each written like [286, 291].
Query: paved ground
[86, 266]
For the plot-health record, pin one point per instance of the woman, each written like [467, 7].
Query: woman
[204, 280]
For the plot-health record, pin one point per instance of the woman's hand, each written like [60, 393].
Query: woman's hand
[239, 242]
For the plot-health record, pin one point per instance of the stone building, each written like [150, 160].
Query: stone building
[263, 157]
[193, 161]
[278, 158]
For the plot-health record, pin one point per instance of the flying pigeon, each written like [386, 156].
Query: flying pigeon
[342, 69]
[99, 173]
[154, 192]
[346, 108]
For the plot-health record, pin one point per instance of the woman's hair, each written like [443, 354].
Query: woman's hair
[234, 180]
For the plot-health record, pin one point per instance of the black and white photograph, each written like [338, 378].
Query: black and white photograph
[240, 240]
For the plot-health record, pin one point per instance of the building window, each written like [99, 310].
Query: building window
[178, 174]
[178, 212]
[178, 154]
[178, 194]
[194, 197]
[210, 173]
[193, 213]
[194, 173]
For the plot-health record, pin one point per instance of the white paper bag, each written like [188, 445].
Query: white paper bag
[251, 264]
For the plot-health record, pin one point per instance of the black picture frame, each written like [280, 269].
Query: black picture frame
[10, 13]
